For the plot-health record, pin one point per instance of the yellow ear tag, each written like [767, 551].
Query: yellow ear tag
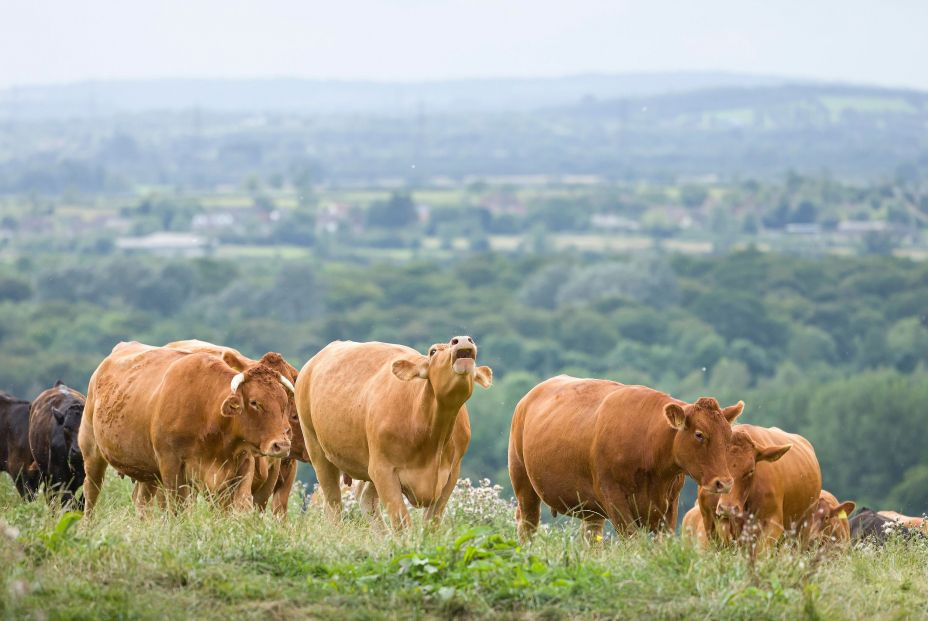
[843, 515]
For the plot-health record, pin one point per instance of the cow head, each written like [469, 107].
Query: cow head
[259, 405]
[827, 519]
[68, 422]
[276, 362]
[743, 457]
[451, 368]
[703, 437]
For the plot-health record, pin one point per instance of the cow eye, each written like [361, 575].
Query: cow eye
[700, 437]
[255, 404]
[432, 353]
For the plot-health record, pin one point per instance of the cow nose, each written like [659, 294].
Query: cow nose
[725, 509]
[281, 447]
[721, 486]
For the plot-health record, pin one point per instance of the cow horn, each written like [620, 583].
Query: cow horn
[286, 383]
[237, 381]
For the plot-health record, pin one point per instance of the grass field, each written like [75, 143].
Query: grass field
[210, 565]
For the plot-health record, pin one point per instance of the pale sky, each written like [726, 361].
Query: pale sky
[881, 42]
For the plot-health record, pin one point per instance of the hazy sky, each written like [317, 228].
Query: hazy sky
[881, 42]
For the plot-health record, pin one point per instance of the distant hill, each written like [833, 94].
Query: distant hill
[103, 98]
[856, 133]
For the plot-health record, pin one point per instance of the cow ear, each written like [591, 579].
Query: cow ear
[234, 362]
[733, 411]
[675, 415]
[771, 453]
[484, 376]
[846, 508]
[408, 369]
[233, 405]
[59, 415]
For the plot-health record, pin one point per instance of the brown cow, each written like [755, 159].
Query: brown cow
[601, 450]
[827, 521]
[273, 477]
[916, 523]
[777, 480]
[385, 413]
[184, 420]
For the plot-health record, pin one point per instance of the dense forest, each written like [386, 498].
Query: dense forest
[835, 348]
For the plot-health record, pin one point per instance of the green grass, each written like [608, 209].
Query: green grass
[207, 564]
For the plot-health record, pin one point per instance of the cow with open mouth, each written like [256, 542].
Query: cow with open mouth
[388, 415]
[186, 421]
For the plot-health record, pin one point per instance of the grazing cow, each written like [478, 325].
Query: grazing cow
[827, 520]
[273, 477]
[598, 450]
[777, 480]
[186, 420]
[54, 421]
[916, 523]
[385, 413]
[15, 454]
[868, 525]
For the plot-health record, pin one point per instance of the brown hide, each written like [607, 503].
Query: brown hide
[599, 450]
[170, 416]
[385, 413]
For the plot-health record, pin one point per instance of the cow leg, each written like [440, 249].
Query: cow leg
[268, 471]
[174, 481]
[437, 509]
[388, 486]
[369, 502]
[328, 475]
[618, 509]
[593, 527]
[142, 494]
[242, 498]
[27, 483]
[770, 532]
[94, 472]
[94, 463]
[285, 481]
[528, 513]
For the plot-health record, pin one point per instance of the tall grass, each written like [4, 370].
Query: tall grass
[208, 564]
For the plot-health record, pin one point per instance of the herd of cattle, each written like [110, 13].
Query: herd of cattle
[193, 417]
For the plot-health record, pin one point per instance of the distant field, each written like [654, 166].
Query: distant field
[207, 565]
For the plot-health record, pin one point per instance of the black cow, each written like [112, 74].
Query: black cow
[868, 525]
[15, 455]
[54, 420]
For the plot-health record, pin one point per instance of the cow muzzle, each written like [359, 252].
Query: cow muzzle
[463, 355]
[279, 449]
[727, 510]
